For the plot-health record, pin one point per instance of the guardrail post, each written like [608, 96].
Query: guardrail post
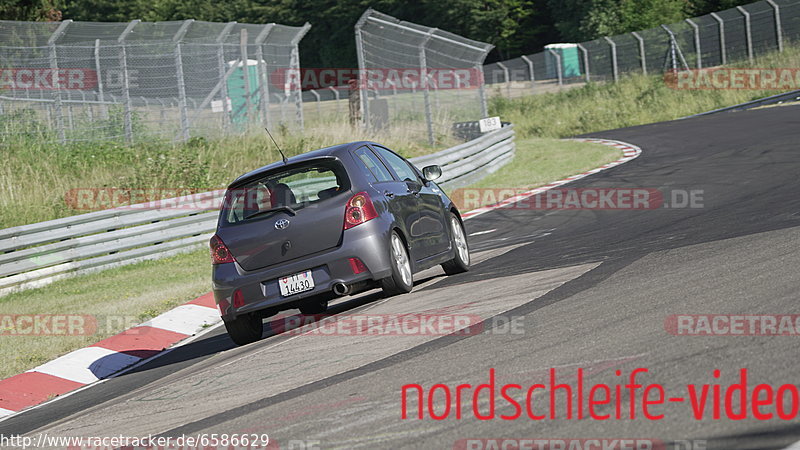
[778, 31]
[748, 32]
[641, 51]
[226, 117]
[126, 84]
[51, 43]
[263, 78]
[722, 49]
[696, 28]
[530, 71]
[507, 77]
[585, 61]
[614, 67]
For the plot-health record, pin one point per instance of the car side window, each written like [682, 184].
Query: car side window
[373, 165]
[400, 166]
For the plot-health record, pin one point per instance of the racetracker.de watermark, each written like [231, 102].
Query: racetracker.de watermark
[579, 198]
[383, 78]
[786, 78]
[733, 324]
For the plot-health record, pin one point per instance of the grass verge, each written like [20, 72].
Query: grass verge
[118, 298]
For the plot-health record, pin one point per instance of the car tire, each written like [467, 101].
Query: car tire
[458, 237]
[401, 281]
[244, 329]
[313, 306]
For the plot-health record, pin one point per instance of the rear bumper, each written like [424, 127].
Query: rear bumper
[367, 242]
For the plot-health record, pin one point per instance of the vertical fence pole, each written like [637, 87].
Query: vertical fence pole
[226, 117]
[263, 79]
[748, 32]
[126, 84]
[530, 71]
[557, 56]
[362, 76]
[778, 30]
[506, 77]
[317, 101]
[182, 104]
[614, 66]
[336, 95]
[246, 75]
[99, 74]
[482, 91]
[423, 76]
[51, 43]
[641, 52]
[585, 61]
[696, 28]
[722, 49]
[295, 67]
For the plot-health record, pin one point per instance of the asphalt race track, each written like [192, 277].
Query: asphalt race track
[588, 289]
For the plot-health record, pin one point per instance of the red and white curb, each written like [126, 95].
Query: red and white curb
[107, 357]
[629, 152]
[148, 340]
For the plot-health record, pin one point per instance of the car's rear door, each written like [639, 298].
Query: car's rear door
[402, 202]
[431, 234]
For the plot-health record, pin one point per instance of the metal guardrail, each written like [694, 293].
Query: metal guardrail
[35, 255]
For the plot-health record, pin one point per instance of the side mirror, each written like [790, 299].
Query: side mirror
[431, 172]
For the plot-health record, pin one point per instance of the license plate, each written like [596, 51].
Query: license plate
[294, 284]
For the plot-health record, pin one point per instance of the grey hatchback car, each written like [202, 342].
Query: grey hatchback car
[328, 223]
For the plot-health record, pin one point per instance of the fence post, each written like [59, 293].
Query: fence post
[723, 55]
[182, 106]
[585, 61]
[748, 32]
[778, 31]
[506, 77]
[335, 94]
[99, 73]
[362, 77]
[248, 100]
[226, 118]
[51, 42]
[317, 97]
[263, 79]
[423, 76]
[126, 85]
[641, 51]
[530, 71]
[295, 66]
[614, 67]
[557, 56]
[696, 29]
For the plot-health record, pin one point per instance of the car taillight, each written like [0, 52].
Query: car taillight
[219, 252]
[359, 210]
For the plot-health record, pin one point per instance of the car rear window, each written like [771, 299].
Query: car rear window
[295, 186]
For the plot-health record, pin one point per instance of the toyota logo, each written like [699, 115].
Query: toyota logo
[282, 224]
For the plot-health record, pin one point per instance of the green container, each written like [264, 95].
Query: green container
[238, 94]
[570, 60]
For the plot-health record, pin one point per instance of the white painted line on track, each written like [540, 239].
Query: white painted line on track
[185, 319]
[478, 233]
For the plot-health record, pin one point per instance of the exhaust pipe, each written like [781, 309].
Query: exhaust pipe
[341, 289]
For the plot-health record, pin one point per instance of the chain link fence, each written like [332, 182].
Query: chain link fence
[735, 35]
[414, 76]
[84, 81]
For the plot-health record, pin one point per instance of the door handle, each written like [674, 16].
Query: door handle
[388, 194]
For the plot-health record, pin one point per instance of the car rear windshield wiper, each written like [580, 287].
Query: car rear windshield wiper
[286, 208]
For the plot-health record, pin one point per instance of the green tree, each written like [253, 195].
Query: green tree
[32, 11]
